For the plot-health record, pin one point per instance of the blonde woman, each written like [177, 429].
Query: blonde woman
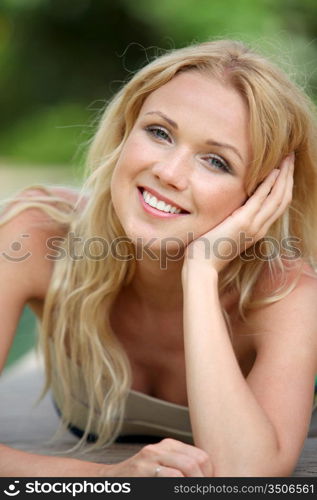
[177, 293]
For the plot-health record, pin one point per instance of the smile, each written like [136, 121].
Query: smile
[159, 204]
[158, 207]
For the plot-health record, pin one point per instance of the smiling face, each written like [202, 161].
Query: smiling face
[189, 148]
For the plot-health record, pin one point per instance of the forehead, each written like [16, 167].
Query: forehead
[195, 88]
[204, 104]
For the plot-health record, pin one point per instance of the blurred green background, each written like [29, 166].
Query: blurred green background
[60, 61]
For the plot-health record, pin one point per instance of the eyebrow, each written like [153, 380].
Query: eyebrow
[166, 118]
[224, 145]
[209, 141]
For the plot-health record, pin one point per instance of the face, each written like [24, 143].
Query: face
[186, 156]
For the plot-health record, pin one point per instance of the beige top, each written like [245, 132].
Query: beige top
[144, 415]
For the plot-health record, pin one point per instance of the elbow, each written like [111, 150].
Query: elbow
[277, 466]
[273, 458]
[266, 459]
[266, 471]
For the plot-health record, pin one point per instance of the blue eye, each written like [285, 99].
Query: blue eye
[158, 132]
[218, 162]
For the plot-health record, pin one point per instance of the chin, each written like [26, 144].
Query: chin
[152, 245]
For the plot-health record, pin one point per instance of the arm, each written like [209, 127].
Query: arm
[28, 279]
[21, 281]
[244, 424]
[16, 463]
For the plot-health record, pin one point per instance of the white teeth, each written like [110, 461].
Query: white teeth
[146, 196]
[152, 201]
[159, 204]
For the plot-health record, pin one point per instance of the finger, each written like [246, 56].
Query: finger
[281, 210]
[262, 191]
[185, 463]
[247, 212]
[174, 454]
[245, 215]
[288, 191]
[280, 187]
[193, 452]
[168, 472]
[277, 199]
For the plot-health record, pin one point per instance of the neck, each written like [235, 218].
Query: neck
[158, 288]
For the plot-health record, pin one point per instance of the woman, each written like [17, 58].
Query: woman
[184, 277]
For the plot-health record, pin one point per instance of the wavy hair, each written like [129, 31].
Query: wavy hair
[81, 350]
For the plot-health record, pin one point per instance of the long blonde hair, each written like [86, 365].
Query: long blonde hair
[76, 322]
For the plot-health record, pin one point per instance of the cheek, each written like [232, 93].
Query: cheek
[124, 171]
[219, 202]
[133, 156]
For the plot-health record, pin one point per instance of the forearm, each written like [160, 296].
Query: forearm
[226, 419]
[17, 463]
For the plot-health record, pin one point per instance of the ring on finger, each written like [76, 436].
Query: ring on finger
[157, 471]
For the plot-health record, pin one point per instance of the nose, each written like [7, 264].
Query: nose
[173, 170]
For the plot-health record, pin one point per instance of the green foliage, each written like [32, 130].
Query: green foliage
[56, 52]
[51, 135]
[192, 20]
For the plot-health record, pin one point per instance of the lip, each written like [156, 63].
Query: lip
[163, 198]
[154, 211]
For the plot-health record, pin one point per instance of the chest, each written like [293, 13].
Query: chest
[154, 344]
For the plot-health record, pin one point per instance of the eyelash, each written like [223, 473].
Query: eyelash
[153, 129]
[224, 165]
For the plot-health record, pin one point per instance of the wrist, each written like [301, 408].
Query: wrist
[105, 470]
[94, 469]
[199, 266]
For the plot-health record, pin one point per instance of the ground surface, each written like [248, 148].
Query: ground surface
[28, 427]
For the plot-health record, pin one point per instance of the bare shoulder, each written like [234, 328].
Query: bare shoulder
[293, 317]
[70, 195]
[23, 241]
[284, 336]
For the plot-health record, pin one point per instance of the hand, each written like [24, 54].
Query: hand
[168, 458]
[252, 220]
